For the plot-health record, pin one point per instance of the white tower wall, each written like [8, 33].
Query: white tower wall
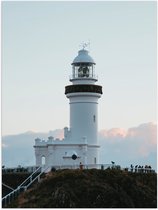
[84, 116]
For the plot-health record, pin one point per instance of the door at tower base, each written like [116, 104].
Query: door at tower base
[62, 154]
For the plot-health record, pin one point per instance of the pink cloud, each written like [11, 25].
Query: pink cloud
[58, 133]
[147, 132]
[137, 141]
[114, 132]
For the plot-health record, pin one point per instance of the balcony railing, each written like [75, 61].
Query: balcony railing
[83, 76]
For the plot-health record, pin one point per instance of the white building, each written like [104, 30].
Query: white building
[80, 142]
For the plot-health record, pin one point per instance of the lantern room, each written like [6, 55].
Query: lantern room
[83, 66]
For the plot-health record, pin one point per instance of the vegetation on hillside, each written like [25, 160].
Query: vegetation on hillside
[13, 180]
[91, 189]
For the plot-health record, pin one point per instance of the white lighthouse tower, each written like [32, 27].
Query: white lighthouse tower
[83, 95]
[80, 142]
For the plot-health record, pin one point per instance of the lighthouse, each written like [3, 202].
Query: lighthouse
[80, 142]
[83, 97]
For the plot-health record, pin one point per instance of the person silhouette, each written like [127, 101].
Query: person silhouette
[81, 166]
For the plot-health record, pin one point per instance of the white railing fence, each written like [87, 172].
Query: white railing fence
[36, 175]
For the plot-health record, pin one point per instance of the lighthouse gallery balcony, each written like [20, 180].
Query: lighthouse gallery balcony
[83, 88]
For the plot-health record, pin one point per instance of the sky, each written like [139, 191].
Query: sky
[39, 42]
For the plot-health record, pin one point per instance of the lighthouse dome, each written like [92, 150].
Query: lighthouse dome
[83, 57]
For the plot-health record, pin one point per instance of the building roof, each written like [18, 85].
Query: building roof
[83, 57]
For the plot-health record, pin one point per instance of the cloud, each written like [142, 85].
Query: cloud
[136, 145]
[147, 132]
[58, 133]
[114, 133]
[18, 149]
[4, 145]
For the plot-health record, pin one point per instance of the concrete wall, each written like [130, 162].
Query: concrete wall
[62, 154]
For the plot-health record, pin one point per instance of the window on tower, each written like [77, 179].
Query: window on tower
[83, 70]
[94, 118]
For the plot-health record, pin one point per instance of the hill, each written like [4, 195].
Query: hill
[13, 180]
[91, 189]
